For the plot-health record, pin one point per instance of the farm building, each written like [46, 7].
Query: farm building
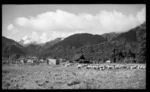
[32, 59]
[79, 58]
[41, 60]
[52, 61]
[108, 61]
[22, 60]
[62, 60]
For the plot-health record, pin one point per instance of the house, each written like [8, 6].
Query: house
[79, 58]
[22, 60]
[30, 61]
[41, 60]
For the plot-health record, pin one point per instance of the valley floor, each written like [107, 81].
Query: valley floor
[61, 77]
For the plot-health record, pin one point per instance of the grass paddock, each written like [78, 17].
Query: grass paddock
[61, 77]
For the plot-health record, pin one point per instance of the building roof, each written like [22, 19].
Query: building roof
[77, 56]
[108, 61]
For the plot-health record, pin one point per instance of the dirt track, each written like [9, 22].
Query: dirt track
[60, 77]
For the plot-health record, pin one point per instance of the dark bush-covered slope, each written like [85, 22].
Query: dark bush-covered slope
[129, 36]
[78, 40]
[75, 41]
[10, 47]
[51, 43]
[33, 50]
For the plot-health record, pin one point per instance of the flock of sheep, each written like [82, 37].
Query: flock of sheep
[106, 66]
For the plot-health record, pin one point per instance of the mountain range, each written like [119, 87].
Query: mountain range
[10, 47]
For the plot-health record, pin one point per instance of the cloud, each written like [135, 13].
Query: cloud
[61, 23]
[116, 21]
[10, 27]
[34, 37]
[43, 38]
[56, 34]
[22, 21]
[141, 16]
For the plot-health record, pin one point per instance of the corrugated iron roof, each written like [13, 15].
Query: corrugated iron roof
[77, 56]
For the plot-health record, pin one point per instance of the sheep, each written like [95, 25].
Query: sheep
[96, 67]
[141, 67]
[121, 66]
[84, 65]
[110, 67]
[102, 68]
[124, 66]
[127, 67]
[99, 67]
[117, 66]
[133, 67]
[90, 66]
[79, 66]
[93, 67]
[66, 65]
[87, 67]
[107, 66]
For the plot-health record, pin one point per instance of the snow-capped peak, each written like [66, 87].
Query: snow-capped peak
[28, 40]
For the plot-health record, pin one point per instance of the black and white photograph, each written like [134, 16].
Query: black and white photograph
[73, 46]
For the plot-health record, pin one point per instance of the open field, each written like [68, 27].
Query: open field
[61, 77]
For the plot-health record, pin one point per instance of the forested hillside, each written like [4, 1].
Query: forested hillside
[66, 47]
[10, 47]
[129, 46]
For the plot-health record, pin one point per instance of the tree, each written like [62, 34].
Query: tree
[141, 36]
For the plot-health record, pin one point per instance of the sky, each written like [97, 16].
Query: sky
[42, 23]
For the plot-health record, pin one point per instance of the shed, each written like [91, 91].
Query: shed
[108, 61]
[52, 62]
